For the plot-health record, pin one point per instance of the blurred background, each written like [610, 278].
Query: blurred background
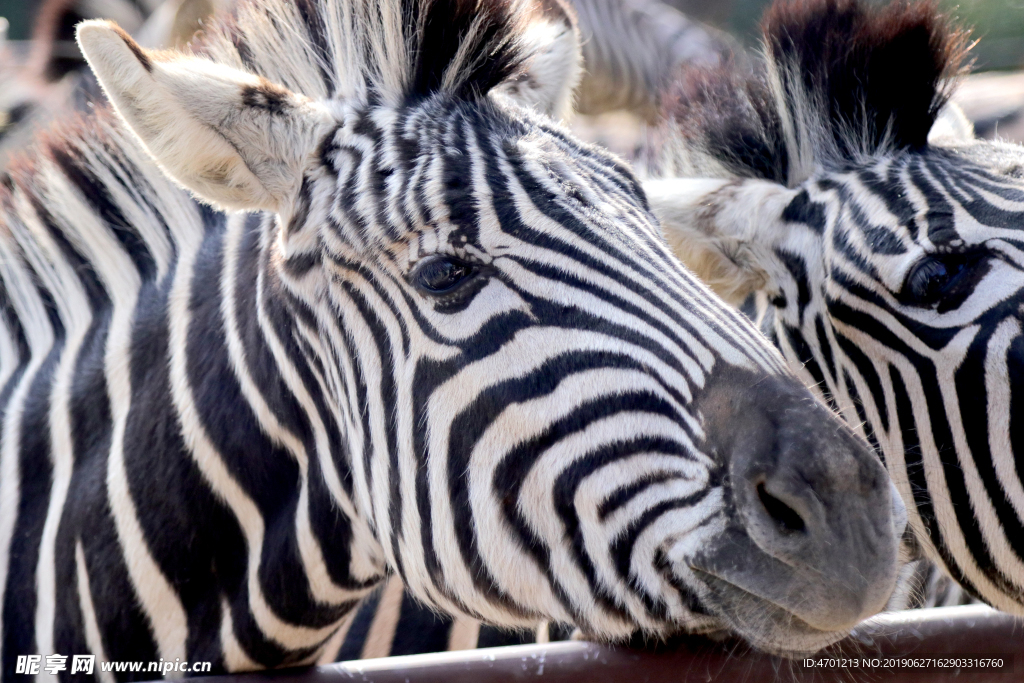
[38, 80]
[998, 23]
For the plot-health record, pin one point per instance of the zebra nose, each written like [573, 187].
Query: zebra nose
[777, 502]
[780, 510]
[814, 522]
[813, 505]
[804, 489]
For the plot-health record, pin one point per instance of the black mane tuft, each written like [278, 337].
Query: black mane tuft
[877, 73]
[387, 50]
[843, 78]
[489, 26]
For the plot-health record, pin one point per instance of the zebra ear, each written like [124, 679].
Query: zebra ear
[234, 139]
[554, 62]
[722, 230]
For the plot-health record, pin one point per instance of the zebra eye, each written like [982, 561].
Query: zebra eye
[441, 275]
[930, 279]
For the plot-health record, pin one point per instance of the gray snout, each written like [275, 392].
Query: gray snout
[816, 521]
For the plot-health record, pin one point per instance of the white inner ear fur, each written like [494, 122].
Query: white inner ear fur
[234, 139]
[553, 71]
[722, 230]
[951, 127]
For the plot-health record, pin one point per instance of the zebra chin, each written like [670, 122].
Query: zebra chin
[808, 542]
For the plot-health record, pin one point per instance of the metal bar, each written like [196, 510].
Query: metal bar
[910, 638]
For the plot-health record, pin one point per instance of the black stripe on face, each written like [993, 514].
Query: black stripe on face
[842, 246]
[467, 428]
[955, 170]
[284, 313]
[551, 206]
[936, 338]
[964, 186]
[879, 240]
[805, 356]
[567, 484]
[970, 386]
[798, 272]
[806, 212]
[826, 348]
[888, 186]
[623, 495]
[331, 528]
[862, 417]
[866, 369]
[574, 318]
[622, 550]
[954, 477]
[387, 393]
[914, 464]
[459, 191]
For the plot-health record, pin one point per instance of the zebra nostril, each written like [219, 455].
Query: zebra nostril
[786, 518]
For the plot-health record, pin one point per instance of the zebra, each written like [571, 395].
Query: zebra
[153, 23]
[632, 48]
[407, 327]
[884, 244]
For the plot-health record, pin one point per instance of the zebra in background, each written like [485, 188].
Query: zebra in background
[438, 337]
[153, 24]
[633, 48]
[886, 247]
[38, 84]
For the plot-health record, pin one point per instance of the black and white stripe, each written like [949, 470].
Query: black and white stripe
[442, 340]
[888, 249]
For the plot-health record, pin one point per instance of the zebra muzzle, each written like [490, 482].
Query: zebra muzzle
[811, 540]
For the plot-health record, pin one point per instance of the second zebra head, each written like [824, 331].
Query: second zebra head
[534, 410]
[887, 243]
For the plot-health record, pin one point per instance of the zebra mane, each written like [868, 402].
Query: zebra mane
[842, 79]
[388, 51]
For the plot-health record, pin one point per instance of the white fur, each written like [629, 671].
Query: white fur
[721, 229]
[553, 72]
[189, 113]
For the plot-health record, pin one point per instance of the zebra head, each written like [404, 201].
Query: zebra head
[887, 249]
[482, 316]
